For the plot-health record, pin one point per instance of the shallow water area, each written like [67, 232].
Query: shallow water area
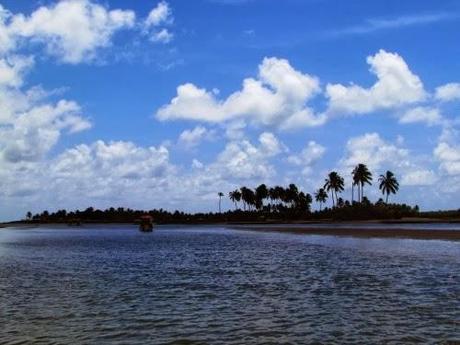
[210, 285]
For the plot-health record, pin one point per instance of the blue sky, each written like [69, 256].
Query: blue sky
[142, 104]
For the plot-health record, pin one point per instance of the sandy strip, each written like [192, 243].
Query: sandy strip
[451, 235]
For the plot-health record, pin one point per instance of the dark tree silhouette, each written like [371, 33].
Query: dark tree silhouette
[260, 195]
[361, 176]
[235, 197]
[388, 184]
[320, 197]
[334, 184]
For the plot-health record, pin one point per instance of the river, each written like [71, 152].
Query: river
[211, 285]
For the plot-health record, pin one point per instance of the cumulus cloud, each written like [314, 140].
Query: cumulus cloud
[71, 30]
[449, 157]
[379, 155]
[191, 138]
[32, 131]
[396, 86]
[12, 69]
[311, 154]
[278, 96]
[241, 160]
[448, 92]
[427, 115]
[74, 31]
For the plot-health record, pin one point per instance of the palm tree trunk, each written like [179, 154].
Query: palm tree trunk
[386, 202]
[352, 193]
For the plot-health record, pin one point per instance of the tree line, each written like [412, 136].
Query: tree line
[265, 203]
[280, 198]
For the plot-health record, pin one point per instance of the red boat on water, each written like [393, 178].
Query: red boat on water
[146, 223]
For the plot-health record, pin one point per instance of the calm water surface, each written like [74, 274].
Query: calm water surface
[215, 286]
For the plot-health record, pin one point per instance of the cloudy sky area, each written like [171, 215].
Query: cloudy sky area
[163, 104]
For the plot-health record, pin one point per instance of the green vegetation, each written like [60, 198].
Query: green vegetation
[271, 204]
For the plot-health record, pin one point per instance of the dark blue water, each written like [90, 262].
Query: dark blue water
[217, 286]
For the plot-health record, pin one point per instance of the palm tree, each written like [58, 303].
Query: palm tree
[321, 197]
[261, 195]
[388, 184]
[235, 197]
[334, 184]
[248, 196]
[220, 194]
[361, 176]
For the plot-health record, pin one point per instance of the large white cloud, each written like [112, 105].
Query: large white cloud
[72, 30]
[75, 30]
[278, 96]
[381, 155]
[30, 125]
[396, 86]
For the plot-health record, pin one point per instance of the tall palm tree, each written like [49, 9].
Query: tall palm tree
[388, 184]
[261, 195]
[334, 184]
[235, 197]
[220, 194]
[321, 197]
[361, 176]
[248, 196]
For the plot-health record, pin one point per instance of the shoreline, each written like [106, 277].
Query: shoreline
[335, 228]
[416, 234]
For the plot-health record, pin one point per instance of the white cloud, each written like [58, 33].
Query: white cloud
[372, 150]
[161, 14]
[428, 115]
[241, 160]
[311, 154]
[158, 17]
[162, 36]
[75, 30]
[420, 177]
[448, 92]
[277, 97]
[191, 138]
[31, 133]
[12, 69]
[380, 155]
[449, 157]
[396, 86]
[72, 30]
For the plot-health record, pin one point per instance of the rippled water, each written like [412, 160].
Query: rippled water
[217, 286]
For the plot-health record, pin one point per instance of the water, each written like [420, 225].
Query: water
[369, 225]
[216, 286]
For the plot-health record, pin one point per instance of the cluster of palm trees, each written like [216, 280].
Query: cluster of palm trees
[280, 198]
[334, 184]
[272, 199]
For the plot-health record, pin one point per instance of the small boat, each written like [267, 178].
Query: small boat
[146, 223]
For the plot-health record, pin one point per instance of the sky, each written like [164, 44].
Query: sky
[163, 104]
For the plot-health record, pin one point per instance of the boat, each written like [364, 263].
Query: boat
[146, 223]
